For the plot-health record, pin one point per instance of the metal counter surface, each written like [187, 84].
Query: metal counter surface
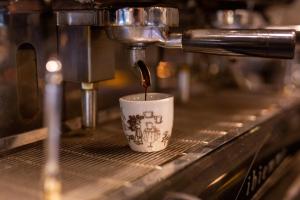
[101, 165]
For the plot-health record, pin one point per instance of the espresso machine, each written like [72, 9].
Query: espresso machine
[65, 63]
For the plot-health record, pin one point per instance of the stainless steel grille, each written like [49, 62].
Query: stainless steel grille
[97, 164]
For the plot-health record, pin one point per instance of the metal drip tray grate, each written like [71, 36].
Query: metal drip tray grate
[97, 164]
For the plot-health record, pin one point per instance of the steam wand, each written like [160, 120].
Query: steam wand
[52, 110]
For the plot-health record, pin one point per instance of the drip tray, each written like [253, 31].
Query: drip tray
[96, 164]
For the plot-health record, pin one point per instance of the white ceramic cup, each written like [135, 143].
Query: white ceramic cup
[147, 124]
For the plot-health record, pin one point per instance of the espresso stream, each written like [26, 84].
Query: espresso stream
[145, 76]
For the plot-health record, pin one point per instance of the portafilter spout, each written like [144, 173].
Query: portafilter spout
[137, 61]
[145, 74]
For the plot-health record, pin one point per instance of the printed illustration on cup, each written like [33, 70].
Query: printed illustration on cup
[145, 129]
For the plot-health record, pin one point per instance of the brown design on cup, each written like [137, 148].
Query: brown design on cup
[134, 123]
[151, 132]
[165, 138]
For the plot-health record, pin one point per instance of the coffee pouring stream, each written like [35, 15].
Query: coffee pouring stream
[145, 75]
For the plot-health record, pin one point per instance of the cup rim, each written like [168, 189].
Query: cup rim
[167, 97]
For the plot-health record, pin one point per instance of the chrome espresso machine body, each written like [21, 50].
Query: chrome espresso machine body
[56, 58]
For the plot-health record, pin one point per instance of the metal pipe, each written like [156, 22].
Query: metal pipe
[89, 106]
[173, 41]
[291, 27]
[257, 43]
[137, 53]
[53, 111]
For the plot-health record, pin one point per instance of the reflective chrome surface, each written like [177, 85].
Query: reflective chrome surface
[291, 27]
[89, 105]
[141, 16]
[136, 53]
[73, 18]
[260, 43]
[88, 56]
[137, 34]
[232, 19]
[140, 25]
[91, 51]
[173, 41]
